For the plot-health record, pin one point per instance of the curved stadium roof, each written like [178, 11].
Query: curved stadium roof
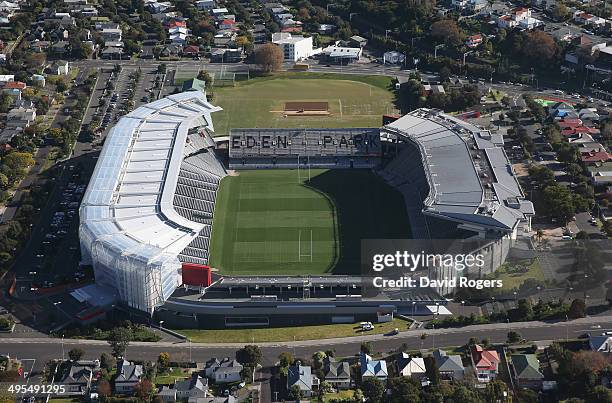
[128, 209]
[131, 190]
[469, 175]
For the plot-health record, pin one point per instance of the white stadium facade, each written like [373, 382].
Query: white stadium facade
[148, 212]
[154, 167]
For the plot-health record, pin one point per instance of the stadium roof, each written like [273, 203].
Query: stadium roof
[469, 175]
[129, 201]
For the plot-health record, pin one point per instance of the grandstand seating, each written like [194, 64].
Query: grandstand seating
[196, 191]
[405, 172]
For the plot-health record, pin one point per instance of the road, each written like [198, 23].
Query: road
[45, 349]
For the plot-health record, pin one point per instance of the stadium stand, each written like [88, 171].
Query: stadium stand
[317, 148]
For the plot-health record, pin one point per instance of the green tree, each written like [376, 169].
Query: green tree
[119, 339]
[163, 360]
[75, 354]
[285, 361]
[404, 389]
[513, 337]
[373, 389]
[366, 347]
[249, 355]
[107, 362]
[295, 393]
[496, 391]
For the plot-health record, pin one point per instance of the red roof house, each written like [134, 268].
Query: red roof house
[15, 85]
[175, 23]
[594, 157]
[485, 363]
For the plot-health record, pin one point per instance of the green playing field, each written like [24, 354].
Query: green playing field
[280, 222]
[354, 101]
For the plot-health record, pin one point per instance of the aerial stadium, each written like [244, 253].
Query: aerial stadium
[154, 204]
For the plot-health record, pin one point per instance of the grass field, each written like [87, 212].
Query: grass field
[264, 221]
[354, 101]
[297, 333]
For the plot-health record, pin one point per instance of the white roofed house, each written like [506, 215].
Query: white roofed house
[602, 343]
[413, 367]
[371, 368]
[228, 371]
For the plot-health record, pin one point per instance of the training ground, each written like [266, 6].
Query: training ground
[353, 101]
[278, 222]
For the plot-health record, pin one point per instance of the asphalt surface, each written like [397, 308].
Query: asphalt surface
[45, 349]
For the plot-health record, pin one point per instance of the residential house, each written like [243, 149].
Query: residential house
[40, 46]
[301, 375]
[337, 373]
[226, 55]
[210, 367]
[227, 24]
[373, 368]
[111, 34]
[128, 375]
[58, 34]
[218, 13]
[476, 6]
[27, 115]
[412, 367]
[5, 78]
[78, 375]
[60, 67]
[526, 371]
[473, 41]
[595, 157]
[228, 371]
[450, 367]
[60, 48]
[167, 395]
[191, 388]
[205, 5]
[39, 80]
[191, 51]
[485, 363]
[178, 34]
[112, 53]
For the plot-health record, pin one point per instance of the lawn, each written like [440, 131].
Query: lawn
[342, 395]
[514, 274]
[276, 222]
[279, 334]
[171, 376]
[354, 101]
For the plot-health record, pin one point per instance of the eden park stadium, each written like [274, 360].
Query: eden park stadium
[148, 214]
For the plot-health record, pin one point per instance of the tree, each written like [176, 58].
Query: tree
[404, 389]
[528, 396]
[366, 347]
[104, 389]
[446, 31]
[600, 394]
[119, 339]
[496, 391]
[513, 337]
[577, 309]
[560, 12]
[295, 393]
[559, 201]
[75, 354]
[285, 360]
[107, 362]
[269, 57]
[539, 46]
[144, 390]
[432, 371]
[204, 76]
[249, 355]
[163, 360]
[373, 389]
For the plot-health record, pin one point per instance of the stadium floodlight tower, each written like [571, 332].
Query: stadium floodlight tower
[129, 230]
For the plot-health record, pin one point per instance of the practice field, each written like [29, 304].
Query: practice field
[276, 222]
[260, 102]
